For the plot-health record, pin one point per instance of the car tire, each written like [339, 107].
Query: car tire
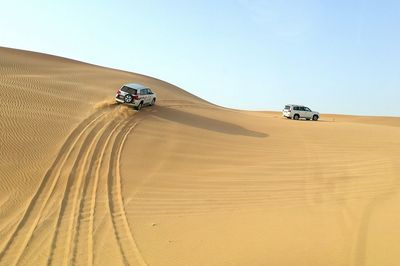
[128, 98]
[315, 118]
[296, 117]
[153, 102]
[139, 106]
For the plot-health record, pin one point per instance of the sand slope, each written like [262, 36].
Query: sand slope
[84, 181]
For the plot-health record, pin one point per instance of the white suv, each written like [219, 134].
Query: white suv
[135, 95]
[298, 111]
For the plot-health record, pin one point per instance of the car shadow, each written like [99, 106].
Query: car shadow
[202, 122]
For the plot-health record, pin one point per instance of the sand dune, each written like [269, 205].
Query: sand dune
[84, 181]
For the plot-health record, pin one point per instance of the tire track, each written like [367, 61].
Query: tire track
[71, 186]
[66, 217]
[85, 218]
[24, 229]
[116, 203]
[93, 199]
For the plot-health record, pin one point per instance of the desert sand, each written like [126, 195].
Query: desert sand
[84, 181]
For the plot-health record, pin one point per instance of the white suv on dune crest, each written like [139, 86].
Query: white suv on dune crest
[299, 111]
[135, 95]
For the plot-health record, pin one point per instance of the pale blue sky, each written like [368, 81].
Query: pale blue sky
[334, 56]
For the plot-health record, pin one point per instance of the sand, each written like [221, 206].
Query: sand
[84, 181]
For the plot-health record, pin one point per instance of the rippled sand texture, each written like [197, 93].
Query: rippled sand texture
[84, 181]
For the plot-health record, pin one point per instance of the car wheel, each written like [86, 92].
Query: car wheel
[296, 117]
[315, 117]
[128, 98]
[153, 102]
[139, 106]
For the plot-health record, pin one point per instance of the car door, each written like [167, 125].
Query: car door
[307, 113]
[143, 96]
[296, 110]
[148, 96]
[302, 111]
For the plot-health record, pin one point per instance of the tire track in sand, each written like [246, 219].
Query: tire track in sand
[93, 201]
[122, 230]
[68, 238]
[61, 244]
[88, 200]
[25, 227]
[75, 176]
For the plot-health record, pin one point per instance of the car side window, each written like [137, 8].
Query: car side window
[296, 108]
[149, 91]
[143, 92]
[307, 109]
[302, 109]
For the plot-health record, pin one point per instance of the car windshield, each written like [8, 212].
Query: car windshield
[128, 90]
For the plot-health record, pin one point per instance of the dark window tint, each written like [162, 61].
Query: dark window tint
[296, 108]
[128, 90]
[307, 109]
[287, 107]
[302, 108]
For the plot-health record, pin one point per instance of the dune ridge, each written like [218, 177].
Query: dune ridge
[85, 181]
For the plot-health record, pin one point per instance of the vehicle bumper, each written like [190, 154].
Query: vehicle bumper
[119, 100]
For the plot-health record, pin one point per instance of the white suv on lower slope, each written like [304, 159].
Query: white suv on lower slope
[299, 111]
[135, 95]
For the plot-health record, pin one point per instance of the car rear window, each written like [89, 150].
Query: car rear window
[128, 90]
[287, 107]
